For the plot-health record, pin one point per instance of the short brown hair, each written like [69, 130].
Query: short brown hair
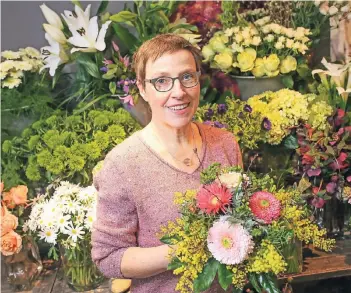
[159, 45]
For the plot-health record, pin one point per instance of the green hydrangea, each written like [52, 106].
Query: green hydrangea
[62, 152]
[38, 125]
[52, 120]
[101, 120]
[26, 133]
[76, 163]
[102, 139]
[44, 158]
[6, 146]
[55, 166]
[33, 172]
[93, 113]
[33, 142]
[79, 149]
[73, 121]
[93, 150]
[116, 133]
[111, 104]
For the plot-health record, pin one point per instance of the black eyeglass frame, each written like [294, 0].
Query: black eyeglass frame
[154, 80]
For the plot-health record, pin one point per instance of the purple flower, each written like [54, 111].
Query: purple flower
[209, 114]
[331, 186]
[314, 172]
[222, 108]
[103, 69]
[247, 108]
[241, 115]
[266, 124]
[208, 122]
[219, 125]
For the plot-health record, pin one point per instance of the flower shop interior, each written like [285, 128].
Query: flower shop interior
[275, 74]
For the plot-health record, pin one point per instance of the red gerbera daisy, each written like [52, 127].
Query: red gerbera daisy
[212, 198]
[265, 206]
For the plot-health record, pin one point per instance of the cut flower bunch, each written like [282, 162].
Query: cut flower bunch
[236, 226]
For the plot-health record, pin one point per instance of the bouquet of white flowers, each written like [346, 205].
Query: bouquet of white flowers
[66, 218]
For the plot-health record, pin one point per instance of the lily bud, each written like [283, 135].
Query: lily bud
[55, 33]
[51, 17]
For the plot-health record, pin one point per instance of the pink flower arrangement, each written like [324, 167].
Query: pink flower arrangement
[229, 243]
[213, 198]
[265, 206]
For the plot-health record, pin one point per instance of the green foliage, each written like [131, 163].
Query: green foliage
[64, 147]
[206, 277]
[210, 174]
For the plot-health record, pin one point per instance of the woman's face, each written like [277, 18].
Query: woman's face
[162, 103]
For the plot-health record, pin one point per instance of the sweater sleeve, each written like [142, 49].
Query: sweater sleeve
[115, 228]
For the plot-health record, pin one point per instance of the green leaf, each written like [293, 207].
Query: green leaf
[268, 282]
[88, 105]
[254, 282]
[174, 264]
[153, 10]
[303, 70]
[303, 185]
[225, 276]
[206, 277]
[112, 87]
[330, 150]
[127, 38]
[290, 142]
[89, 65]
[169, 239]
[288, 81]
[123, 16]
[103, 6]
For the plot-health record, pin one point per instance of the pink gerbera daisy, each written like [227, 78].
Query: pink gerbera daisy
[212, 198]
[265, 206]
[229, 243]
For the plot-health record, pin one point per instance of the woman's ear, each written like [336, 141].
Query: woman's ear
[141, 90]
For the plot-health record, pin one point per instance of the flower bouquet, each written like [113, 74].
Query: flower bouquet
[19, 250]
[65, 218]
[237, 226]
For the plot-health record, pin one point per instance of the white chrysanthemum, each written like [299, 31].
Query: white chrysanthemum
[87, 193]
[89, 219]
[63, 221]
[16, 74]
[2, 75]
[31, 52]
[7, 65]
[10, 55]
[23, 65]
[269, 38]
[11, 82]
[48, 235]
[75, 232]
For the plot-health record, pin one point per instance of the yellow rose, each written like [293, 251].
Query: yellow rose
[224, 60]
[259, 70]
[246, 59]
[288, 64]
[218, 43]
[271, 62]
[207, 53]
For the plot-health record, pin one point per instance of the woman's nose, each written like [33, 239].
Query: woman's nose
[178, 91]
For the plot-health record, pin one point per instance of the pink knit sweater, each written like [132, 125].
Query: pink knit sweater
[136, 189]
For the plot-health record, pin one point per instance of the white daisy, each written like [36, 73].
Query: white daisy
[49, 235]
[75, 232]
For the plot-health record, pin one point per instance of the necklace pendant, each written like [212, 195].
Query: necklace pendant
[187, 162]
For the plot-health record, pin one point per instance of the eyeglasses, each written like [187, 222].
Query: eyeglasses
[165, 84]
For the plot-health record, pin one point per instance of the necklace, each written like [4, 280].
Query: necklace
[187, 161]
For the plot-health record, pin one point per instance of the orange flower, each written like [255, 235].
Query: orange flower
[11, 243]
[9, 222]
[19, 194]
[7, 198]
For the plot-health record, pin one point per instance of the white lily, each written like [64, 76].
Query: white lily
[55, 33]
[89, 39]
[51, 17]
[78, 18]
[344, 93]
[52, 55]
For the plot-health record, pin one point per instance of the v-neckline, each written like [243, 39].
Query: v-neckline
[202, 155]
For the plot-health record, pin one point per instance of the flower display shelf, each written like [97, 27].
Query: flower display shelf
[317, 265]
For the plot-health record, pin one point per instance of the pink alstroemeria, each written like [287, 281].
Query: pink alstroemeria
[127, 100]
[318, 202]
[125, 60]
[107, 62]
[339, 164]
[331, 186]
[314, 172]
[115, 46]
[348, 178]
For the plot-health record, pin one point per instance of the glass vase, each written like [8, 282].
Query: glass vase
[80, 272]
[333, 219]
[23, 268]
[292, 253]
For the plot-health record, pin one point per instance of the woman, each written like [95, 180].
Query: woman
[140, 175]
